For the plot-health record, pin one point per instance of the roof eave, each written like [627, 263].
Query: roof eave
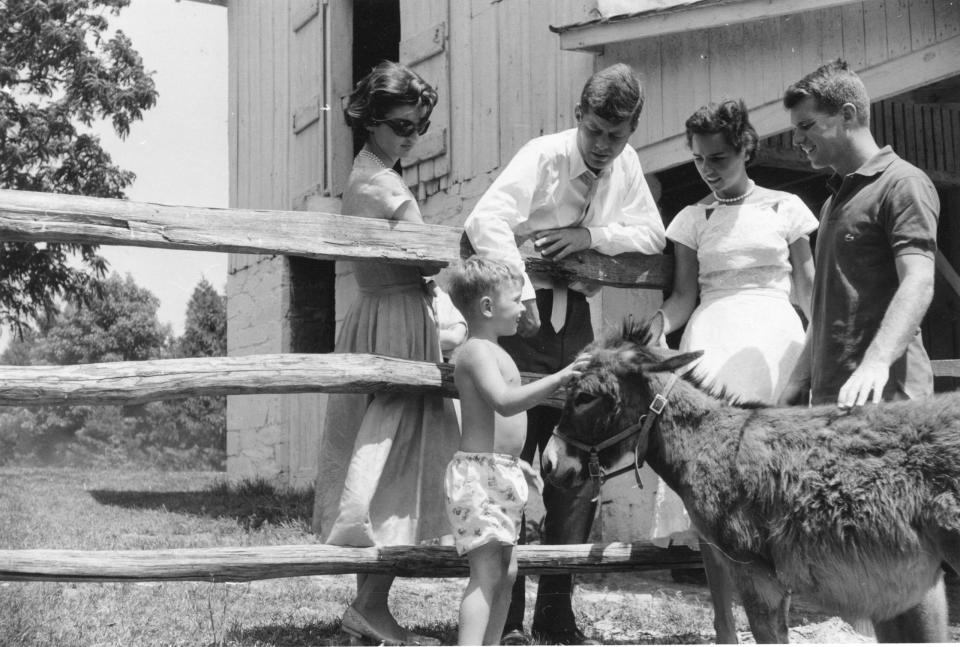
[594, 34]
[220, 3]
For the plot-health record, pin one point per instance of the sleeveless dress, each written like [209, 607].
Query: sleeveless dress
[749, 331]
[383, 456]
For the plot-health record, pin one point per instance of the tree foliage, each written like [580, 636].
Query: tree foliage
[61, 68]
[200, 421]
[118, 321]
[205, 329]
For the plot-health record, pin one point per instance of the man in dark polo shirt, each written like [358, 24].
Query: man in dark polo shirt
[874, 268]
[874, 252]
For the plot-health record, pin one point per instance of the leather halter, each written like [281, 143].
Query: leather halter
[642, 426]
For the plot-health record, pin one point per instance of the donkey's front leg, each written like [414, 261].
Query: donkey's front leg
[765, 601]
[721, 592]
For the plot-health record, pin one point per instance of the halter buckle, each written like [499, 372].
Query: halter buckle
[593, 466]
[659, 402]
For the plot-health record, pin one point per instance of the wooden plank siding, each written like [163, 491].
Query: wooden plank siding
[301, 34]
[758, 60]
[482, 119]
[509, 80]
[424, 46]
[926, 135]
[260, 110]
[278, 162]
[947, 18]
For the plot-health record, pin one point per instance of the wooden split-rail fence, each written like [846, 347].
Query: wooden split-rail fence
[42, 217]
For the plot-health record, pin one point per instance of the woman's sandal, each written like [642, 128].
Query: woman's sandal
[359, 629]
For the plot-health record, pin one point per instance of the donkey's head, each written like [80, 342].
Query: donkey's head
[605, 409]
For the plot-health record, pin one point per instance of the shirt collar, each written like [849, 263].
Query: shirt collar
[577, 164]
[872, 167]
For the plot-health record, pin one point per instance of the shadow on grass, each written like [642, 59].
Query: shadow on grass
[250, 503]
[324, 633]
[282, 635]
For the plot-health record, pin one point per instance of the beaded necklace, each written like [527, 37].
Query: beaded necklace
[364, 152]
[738, 198]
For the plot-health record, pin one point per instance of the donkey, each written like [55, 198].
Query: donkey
[854, 509]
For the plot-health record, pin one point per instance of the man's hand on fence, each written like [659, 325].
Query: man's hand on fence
[556, 244]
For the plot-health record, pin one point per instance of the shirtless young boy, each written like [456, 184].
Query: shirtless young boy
[487, 483]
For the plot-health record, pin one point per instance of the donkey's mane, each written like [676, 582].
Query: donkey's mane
[637, 332]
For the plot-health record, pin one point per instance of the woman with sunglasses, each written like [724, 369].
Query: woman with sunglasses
[382, 457]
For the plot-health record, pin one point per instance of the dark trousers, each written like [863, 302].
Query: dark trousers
[569, 513]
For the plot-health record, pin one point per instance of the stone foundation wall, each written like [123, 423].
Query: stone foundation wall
[256, 439]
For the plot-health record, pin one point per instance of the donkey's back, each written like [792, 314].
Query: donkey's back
[856, 508]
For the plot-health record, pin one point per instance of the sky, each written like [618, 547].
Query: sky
[179, 149]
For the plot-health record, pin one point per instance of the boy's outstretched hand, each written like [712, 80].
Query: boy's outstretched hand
[574, 369]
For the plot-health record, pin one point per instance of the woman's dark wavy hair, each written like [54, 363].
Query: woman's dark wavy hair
[387, 85]
[730, 118]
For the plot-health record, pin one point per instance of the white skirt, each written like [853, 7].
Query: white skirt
[751, 342]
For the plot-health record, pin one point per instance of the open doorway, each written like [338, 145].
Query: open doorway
[311, 322]
[376, 37]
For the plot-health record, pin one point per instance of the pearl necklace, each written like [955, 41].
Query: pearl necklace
[372, 157]
[738, 198]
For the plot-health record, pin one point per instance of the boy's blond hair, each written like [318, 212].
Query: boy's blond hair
[473, 278]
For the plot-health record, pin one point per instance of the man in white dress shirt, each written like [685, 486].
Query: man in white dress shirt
[574, 190]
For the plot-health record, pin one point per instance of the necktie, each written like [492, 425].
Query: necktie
[558, 313]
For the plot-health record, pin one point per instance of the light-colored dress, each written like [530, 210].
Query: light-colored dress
[383, 457]
[747, 327]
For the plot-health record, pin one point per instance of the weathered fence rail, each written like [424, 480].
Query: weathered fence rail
[268, 562]
[163, 379]
[49, 217]
[166, 379]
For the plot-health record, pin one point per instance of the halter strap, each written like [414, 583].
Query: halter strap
[643, 426]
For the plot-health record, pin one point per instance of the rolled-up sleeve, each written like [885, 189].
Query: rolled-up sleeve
[503, 208]
[638, 226]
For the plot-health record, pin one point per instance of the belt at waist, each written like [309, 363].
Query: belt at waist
[765, 293]
[387, 290]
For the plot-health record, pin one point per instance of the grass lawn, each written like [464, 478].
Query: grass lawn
[125, 509]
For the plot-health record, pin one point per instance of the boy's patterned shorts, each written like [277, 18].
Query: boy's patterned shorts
[486, 494]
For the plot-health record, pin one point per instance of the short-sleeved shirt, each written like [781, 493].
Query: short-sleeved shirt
[884, 209]
[741, 247]
[377, 192]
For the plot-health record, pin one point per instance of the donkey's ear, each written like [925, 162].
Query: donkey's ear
[672, 362]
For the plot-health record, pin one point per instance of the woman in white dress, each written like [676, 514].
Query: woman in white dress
[742, 251]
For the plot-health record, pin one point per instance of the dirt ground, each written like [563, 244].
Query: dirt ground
[656, 590]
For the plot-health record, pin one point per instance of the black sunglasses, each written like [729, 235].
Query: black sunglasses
[404, 127]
